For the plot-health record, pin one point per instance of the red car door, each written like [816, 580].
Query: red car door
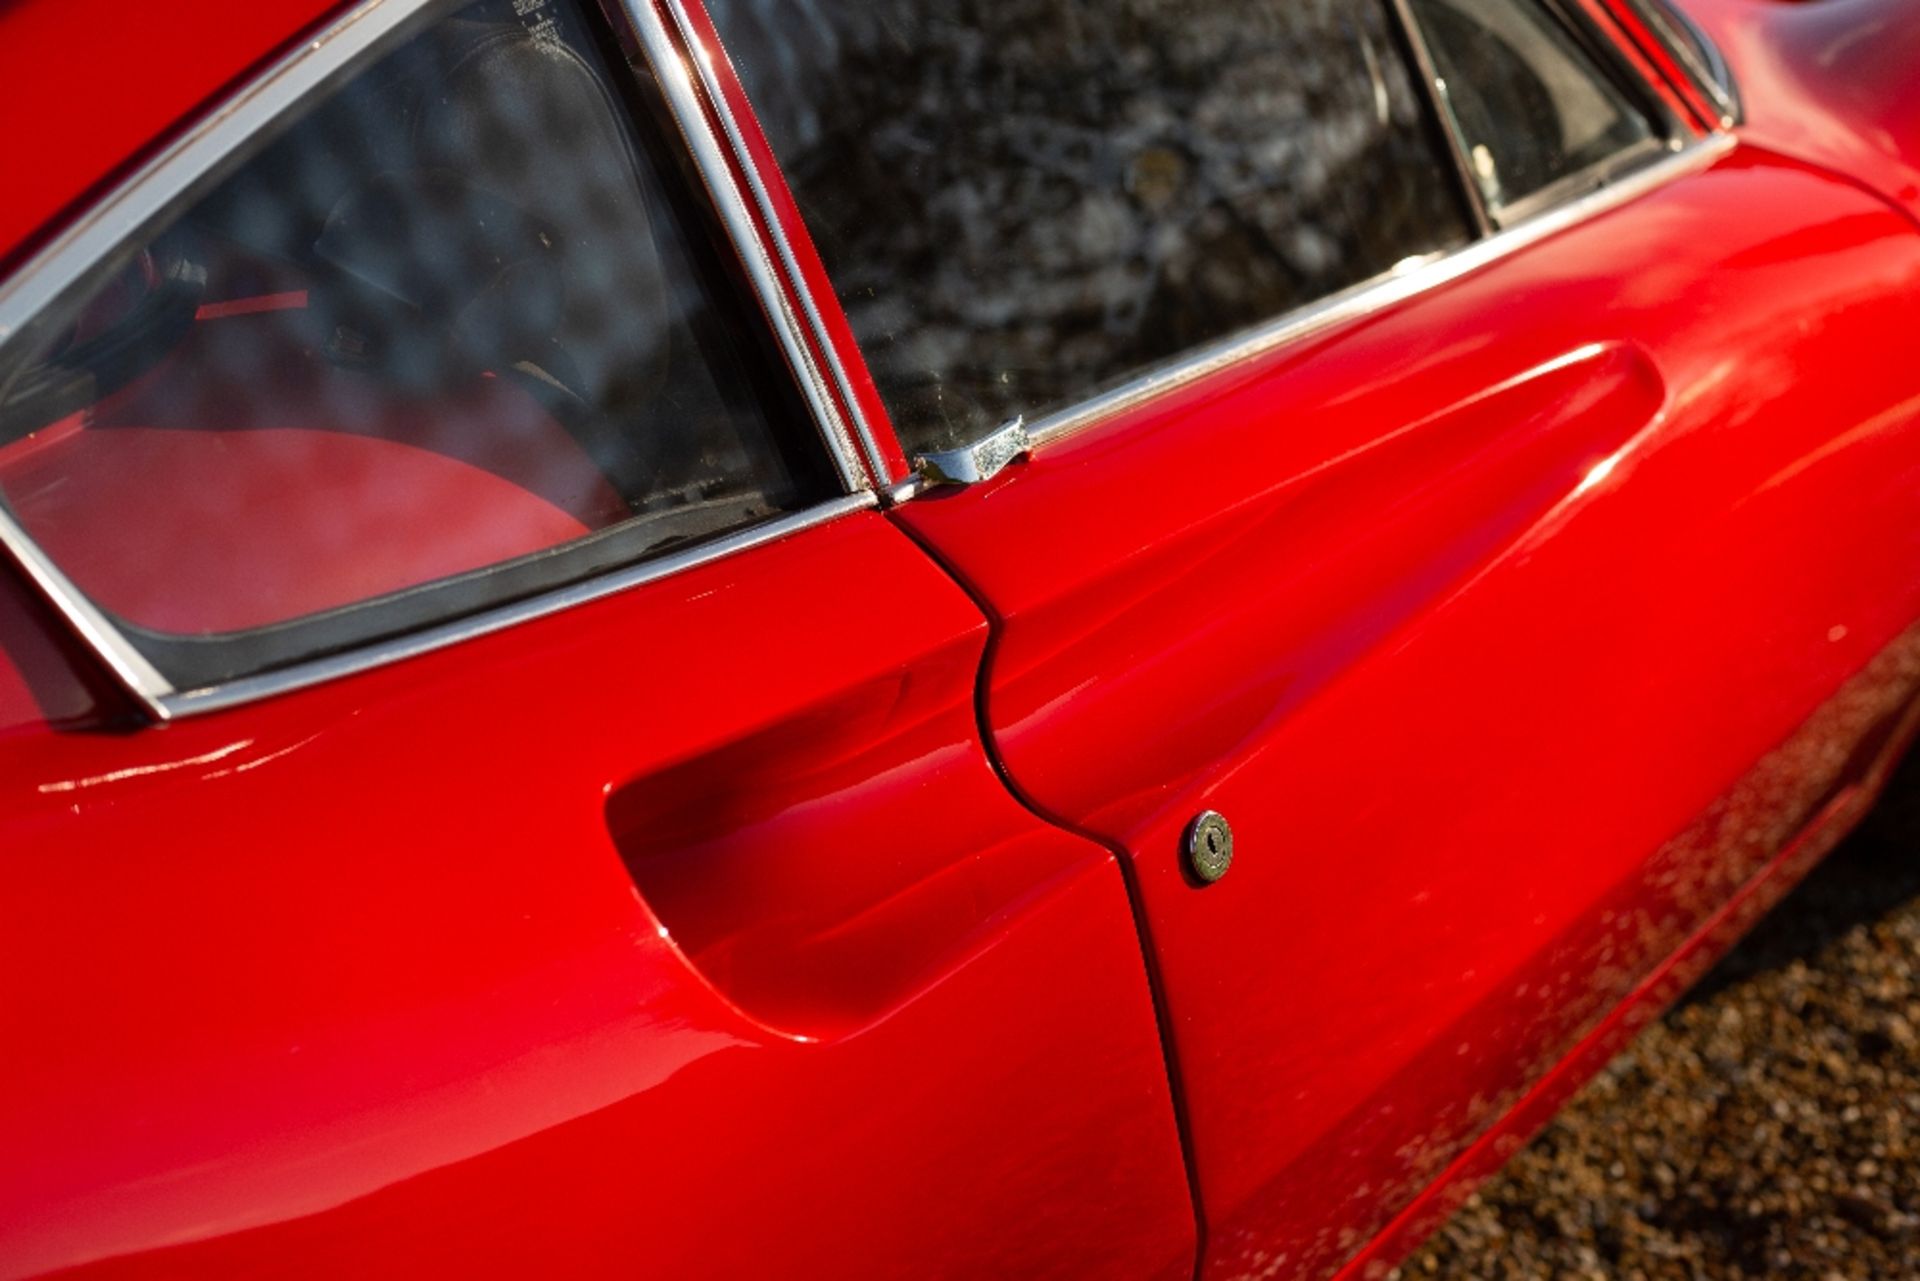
[484, 791]
[1526, 581]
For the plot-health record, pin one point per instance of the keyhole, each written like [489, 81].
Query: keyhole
[1209, 846]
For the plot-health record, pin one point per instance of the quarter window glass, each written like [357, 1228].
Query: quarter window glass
[1023, 202]
[1530, 105]
[453, 337]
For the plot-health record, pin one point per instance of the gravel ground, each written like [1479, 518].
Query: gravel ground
[1769, 1126]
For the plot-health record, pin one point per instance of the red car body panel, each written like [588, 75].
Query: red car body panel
[1829, 80]
[1462, 653]
[415, 1019]
[1771, 798]
[125, 77]
[714, 928]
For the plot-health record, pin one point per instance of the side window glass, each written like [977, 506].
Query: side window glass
[1021, 204]
[1531, 107]
[454, 336]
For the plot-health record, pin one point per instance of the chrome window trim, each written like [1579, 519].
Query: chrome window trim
[1715, 78]
[132, 207]
[177, 173]
[1434, 89]
[1610, 63]
[1378, 294]
[680, 86]
[1606, 185]
[349, 662]
[153, 191]
[139, 679]
[700, 56]
[1594, 177]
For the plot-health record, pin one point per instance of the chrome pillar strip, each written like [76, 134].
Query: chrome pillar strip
[783, 248]
[1435, 89]
[302, 675]
[685, 100]
[1607, 44]
[129, 668]
[1379, 293]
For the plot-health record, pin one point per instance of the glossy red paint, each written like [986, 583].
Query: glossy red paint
[362, 985]
[1533, 633]
[125, 76]
[1773, 794]
[1831, 81]
[1463, 614]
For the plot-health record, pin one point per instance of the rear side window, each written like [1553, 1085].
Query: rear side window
[1021, 204]
[1531, 106]
[454, 336]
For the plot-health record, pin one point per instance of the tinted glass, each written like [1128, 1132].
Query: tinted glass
[453, 337]
[1530, 104]
[1022, 202]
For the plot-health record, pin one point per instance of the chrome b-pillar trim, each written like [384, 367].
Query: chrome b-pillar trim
[682, 83]
[777, 236]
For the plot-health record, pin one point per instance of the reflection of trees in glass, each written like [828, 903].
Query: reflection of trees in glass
[1024, 200]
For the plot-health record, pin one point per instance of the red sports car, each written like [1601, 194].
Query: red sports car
[857, 638]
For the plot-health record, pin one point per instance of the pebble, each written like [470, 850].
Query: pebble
[1763, 1128]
